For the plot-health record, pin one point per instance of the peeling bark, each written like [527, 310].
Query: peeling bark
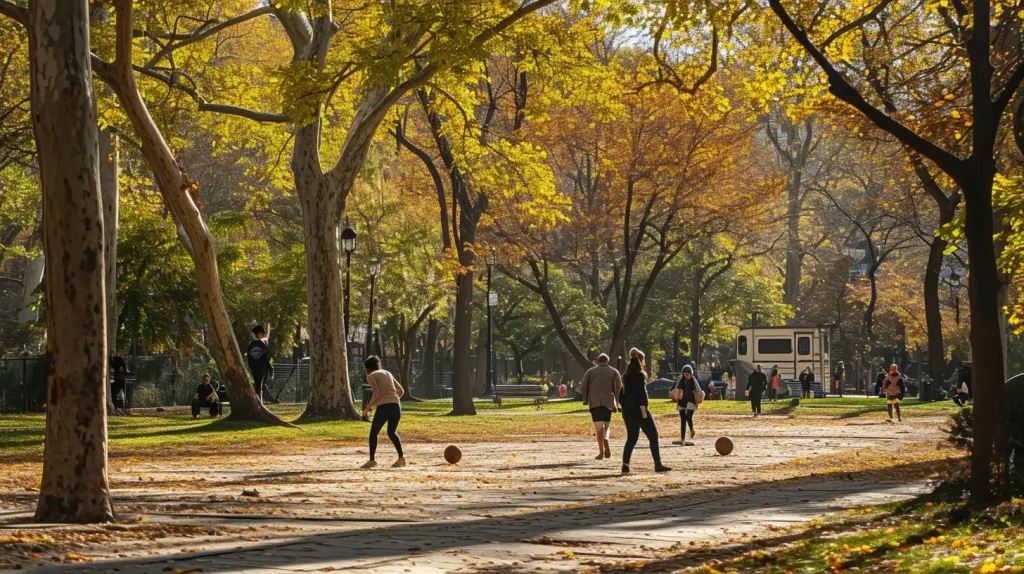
[74, 487]
[109, 158]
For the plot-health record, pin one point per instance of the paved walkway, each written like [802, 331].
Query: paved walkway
[550, 540]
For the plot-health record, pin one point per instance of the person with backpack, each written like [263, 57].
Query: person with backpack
[838, 377]
[258, 357]
[637, 417]
[894, 388]
[806, 380]
[687, 395]
[600, 389]
[756, 383]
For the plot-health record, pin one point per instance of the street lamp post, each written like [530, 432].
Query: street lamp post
[491, 302]
[347, 241]
[954, 283]
[374, 272]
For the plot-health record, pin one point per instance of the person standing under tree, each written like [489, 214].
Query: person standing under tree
[894, 388]
[258, 357]
[636, 416]
[756, 384]
[774, 382]
[387, 398]
[600, 389]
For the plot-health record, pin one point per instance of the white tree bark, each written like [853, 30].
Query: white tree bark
[31, 277]
[74, 485]
[110, 192]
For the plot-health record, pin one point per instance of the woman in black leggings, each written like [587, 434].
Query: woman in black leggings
[636, 416]
[687, 406]
[387, 397]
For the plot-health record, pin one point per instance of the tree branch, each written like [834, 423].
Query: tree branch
[171, 81]
[841, 88]
[856, 23]
[1012, 83]
[181, 40]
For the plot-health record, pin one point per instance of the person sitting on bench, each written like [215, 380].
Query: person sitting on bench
[206, 397]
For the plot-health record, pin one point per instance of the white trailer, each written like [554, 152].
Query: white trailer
[791, 348]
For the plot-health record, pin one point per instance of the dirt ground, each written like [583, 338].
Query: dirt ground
[224, 504]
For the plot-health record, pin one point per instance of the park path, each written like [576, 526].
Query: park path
[539, 506]
[550, 540]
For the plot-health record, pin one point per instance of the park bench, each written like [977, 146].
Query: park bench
[796, 390]
[535, 392]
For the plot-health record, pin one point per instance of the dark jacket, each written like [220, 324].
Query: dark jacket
[258, 357]
[689, 390]
[634, 390]
[878, 383]
[757, 383]
[806, 379]
[204, 391]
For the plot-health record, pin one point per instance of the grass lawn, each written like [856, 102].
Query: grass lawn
[174, 431]
[928, 534]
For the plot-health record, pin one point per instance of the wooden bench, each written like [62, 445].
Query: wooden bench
[796, 389]
[535, 392]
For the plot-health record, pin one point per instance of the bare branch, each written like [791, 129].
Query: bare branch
[855, 23]
[182, 40]
[14, 12]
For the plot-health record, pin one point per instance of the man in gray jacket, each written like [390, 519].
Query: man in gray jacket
[600, 389]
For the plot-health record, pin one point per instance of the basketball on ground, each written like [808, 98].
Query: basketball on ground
[723, 445]
[452, 454]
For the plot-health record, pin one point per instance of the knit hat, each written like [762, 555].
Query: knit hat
[687, 369]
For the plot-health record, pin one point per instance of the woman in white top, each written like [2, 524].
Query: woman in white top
[387, 397]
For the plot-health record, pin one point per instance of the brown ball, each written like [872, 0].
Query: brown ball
[452, 454]
[723, 445]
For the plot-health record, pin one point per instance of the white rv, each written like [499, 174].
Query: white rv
[791, 348]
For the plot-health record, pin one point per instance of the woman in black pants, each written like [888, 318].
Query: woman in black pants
[387, 397]
[636, 416]
[687, 406]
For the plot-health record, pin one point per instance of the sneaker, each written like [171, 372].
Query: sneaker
[625, 469]
[369, 464]
[693, 434]
[607, 452]
[661, 468]
[600, 456]
[399, 462]
[899, 420]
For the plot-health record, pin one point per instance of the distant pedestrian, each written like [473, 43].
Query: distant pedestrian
[119, 388]
[258, 357]
[387, 398]
[838, 377]
[756, 384]
[879, 381]
[806, 380]
[774, 380]
[687, 403]
[894, 389]
[600, 389]
[636, 416]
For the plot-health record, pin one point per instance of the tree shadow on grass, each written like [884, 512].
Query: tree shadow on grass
[397, 541]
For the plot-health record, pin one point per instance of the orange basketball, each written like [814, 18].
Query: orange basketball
[452, 454]
[723, 445]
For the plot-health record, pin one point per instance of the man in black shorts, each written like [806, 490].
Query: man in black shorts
[600, 389]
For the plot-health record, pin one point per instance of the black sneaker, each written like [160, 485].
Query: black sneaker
[625, 469]
[661, 468]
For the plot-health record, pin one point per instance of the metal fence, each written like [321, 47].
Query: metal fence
[22, 384]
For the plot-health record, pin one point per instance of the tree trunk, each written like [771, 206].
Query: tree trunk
[695, 318]
[989, 473]
[109, 161]
[791, 287]
[31, 277]
[429, 374]
[480, 380]
[177, 190]
[330, 396]
[462, 382]
[74, 485]
[932, 312]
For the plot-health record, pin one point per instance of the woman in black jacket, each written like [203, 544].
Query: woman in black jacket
[636, 416]
[806, 380]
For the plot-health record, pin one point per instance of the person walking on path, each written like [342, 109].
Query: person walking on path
[600, 389]
[636, 416]
[387, 398]
[879, 381]
[774, 381]
[258, 357]
[206, 397]
[894, 388]
[806, 380]
[687, 404]
[756, 384]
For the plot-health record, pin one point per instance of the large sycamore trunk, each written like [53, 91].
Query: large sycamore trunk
[462, 382]
[74, 484]
[329, 395]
